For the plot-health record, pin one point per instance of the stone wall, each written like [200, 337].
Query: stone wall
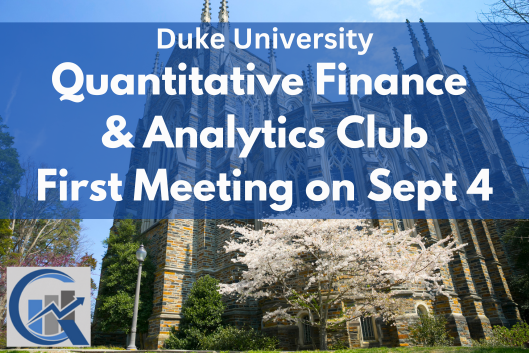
[187, 246]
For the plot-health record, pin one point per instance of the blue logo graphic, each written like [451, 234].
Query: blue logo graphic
[46, 324]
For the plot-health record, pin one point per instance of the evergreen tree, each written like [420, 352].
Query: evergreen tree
[203, 308]
[6, 242]
[202, 312]
[10, 170]
[119, 272]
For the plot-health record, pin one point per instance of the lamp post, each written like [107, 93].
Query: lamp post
[141, 254]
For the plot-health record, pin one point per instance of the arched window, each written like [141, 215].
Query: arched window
[239, 107]
[307, 330]
[418, 169]
[368, 329]
[249, 111]
[296, 171]
[421, 310]
[396, 211]
[395, 206]
[341, 163]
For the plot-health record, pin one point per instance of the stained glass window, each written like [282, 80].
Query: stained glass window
[341, 163]
[249, 112]
[296, 171]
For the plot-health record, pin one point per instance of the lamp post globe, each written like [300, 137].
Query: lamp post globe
[141, 254]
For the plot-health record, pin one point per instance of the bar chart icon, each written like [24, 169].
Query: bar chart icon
[51, 325]
[48, 325]
[48, 306]
[35, 307]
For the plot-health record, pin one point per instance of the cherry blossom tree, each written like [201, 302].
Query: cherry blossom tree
[313, 264]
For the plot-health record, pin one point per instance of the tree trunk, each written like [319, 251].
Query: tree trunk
[323, 336]
[3, 309]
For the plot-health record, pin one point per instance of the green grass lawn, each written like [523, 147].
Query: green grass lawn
[437, 350]
[102, 348]
[425, 350]
[381, 350]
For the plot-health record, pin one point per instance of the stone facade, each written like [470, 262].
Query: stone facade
[185, 249]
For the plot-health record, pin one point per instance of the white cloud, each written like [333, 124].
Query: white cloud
[11, 98]
[394, 10]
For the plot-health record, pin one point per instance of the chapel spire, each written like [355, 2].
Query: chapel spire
[149, 91]
[472, 85]
[400, 66]
[309, 121]
[224, 28]
[432, 50]
[306, 86]
[414, 40]
[155, 68]
[206, 12]
[312, 84]
[469, 78]
[419, 54]
[224, 14]
[429, 41]
[353, 98]
[272, 59]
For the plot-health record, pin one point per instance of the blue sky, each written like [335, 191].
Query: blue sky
[240, 10]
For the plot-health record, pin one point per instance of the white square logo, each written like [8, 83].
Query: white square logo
[48, 306]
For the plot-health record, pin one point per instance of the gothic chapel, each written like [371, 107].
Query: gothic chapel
[188, 247]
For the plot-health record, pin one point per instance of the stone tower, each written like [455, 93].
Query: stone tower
[185, 242]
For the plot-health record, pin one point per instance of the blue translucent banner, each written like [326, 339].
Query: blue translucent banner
[244, 121]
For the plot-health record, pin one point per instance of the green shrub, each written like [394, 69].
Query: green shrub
[202, 313]
[188, 339]
[203, 308]
[230, 338]
[516, 336]
[339, 346]
[201, 326]
[430, 331]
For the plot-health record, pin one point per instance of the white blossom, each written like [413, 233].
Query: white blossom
[313, 262]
